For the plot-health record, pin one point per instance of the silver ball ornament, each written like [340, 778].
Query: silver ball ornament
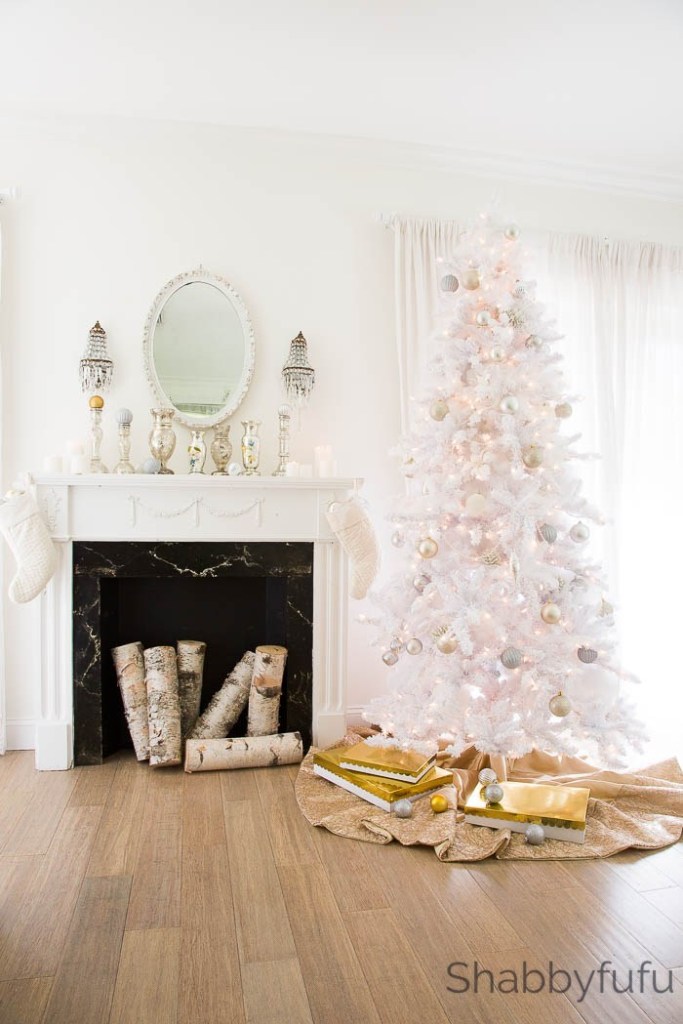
[579, 533]
[438, 410]
[511, 232]
[427, 548]
[396, 644]
[151, 465]
[509, 404]
[483, 318]
[587, 655]
[403, 809]
[414, 646]
[563, 410]
[487, 776]
[390, 658]
[547, 532]
[559, 705]
[470, 280]
[494, 793]
[497, 353]
[449, 283]
[421, 581]
[398, 539]
[532, 457]
[535, 835]
[511, 657]
[551, 613]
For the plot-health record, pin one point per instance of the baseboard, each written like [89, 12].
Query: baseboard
[354, 714]
[21, 734]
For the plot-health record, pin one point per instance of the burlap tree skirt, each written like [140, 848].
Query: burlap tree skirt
[643, 810]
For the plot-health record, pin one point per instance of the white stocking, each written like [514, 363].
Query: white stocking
[31, 544]
[354, 531]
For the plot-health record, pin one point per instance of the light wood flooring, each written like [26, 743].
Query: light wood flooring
[135, 896]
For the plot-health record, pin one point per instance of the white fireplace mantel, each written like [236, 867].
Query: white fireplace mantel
[189, 508]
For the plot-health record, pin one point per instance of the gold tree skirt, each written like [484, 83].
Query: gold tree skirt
[643, 810]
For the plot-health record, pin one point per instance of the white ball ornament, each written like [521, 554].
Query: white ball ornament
[475, 504]
[509, 404]
[497, 353]
[449, 283]
[535, 835]
[551, 613]
[471, 279]
[427, 548]
[487, 776]
[403, 809]
[579, 533]
[483, 318]
[414, 645]
[234, 469]
[532, 456]
[512, 232]
[511, 657]
[447, 644]
[439, 410]
[494, 793]
[587, 655]
[560, 705]
[563, 410]
[390, 658]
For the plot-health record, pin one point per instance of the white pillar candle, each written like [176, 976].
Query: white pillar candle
[53, 464]
[292, 468]
[79, 464]
[305, 469]
[75, 447]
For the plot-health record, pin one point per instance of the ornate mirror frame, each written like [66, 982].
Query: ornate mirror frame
[205, 277]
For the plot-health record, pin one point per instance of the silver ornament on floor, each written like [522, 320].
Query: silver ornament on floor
[398, 538]
[548, 533]
[403, 809]
[487, 776]
[587, 655]
[563, 410]
[390, 658]
[559, 705]
[579, 533]
[494, 793]
[470, 280]
[509, 404]
[414, 646]
[427, 548]
[551, 613]
[532, 456]
[438, 410]
[483, 318]
[497, 353]
[511, 232]
[449, 283]
[535, 835]
[511, 657]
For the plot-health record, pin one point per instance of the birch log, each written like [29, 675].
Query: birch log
[227, 704]
[243, 752]
[266, 690]
[161, 676]
[130, 675]
[190, 660]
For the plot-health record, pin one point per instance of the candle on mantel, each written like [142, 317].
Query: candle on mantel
[79, 464]
[324, 461]
[292, 468]
[53, 464]
[75, 448]
[305, 469]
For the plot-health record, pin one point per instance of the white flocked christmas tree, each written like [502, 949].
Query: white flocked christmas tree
[496, 629]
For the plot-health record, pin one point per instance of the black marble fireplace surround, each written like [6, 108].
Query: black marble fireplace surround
[231, 595]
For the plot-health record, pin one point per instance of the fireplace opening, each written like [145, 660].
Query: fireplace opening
[232, 596]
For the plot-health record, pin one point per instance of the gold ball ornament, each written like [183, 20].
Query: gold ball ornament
[512, 232]
[427, 547]
[438, 410]
[563, 410]
[551, 613]
[533, 341]
[390, 658]
[96, 402]
[470, 280]
[559, 705]
[532, 457]
[475, 504]
[414, 645]
[447, 644]
[439, 803]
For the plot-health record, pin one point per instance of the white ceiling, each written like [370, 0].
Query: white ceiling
[581, 87]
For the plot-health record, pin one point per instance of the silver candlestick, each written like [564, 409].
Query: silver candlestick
[124, 418]
[96, 404]
[284, 414]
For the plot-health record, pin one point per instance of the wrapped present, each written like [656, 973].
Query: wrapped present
[381, 792]
[387, 762]
[561, 810]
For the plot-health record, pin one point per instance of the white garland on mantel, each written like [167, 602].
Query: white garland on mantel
[158, 513]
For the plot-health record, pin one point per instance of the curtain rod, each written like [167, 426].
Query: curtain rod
[388, 220]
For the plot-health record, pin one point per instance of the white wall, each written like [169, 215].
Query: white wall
[110, 211]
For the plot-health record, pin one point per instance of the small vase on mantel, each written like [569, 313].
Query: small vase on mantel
[162, 437]
[251, 447]
[197, 451]
[221, 449]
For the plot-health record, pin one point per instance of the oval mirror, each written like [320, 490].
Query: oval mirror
[199, 348]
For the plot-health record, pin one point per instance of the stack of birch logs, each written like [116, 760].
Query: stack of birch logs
[161, 689]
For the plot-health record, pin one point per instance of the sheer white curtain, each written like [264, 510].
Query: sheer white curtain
[3, 719]
[620, 307]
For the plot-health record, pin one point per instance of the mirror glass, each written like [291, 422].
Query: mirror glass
[199, 348]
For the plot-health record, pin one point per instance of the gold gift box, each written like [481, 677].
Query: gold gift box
[387, 762]
[560, 809]
[378, 791]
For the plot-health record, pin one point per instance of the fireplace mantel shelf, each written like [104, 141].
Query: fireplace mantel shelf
[194, 508]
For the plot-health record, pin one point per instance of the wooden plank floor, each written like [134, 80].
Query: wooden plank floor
[133, 896]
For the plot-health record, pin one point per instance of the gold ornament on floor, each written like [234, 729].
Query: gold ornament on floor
[532, 456]
[427, 548]
[550, 613]
[439, 410]
[470, 280]
[438, 803]
[560, 705]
